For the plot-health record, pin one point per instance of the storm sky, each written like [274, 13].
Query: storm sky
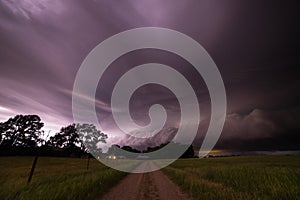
[254, 44]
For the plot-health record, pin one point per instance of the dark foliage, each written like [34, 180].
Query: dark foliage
[21, 130]
[21, 135]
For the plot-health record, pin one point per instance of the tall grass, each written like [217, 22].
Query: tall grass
[55, 178]
[252, 177]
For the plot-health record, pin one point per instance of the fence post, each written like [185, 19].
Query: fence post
[32, 169]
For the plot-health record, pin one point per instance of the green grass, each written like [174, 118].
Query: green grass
[55, 178]
[251, 177]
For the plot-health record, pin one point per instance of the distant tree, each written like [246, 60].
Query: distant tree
[91, 137]
[152, 149]
[21, 130]
[130, 149]
[189, 153]
[67, 137]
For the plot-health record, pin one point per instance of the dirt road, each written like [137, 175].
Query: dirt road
[146, 186]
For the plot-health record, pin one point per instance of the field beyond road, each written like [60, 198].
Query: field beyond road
[247, 177]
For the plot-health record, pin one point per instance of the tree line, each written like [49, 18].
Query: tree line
[23, 135]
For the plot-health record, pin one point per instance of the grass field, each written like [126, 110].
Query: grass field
[251, 177]
[55, 178]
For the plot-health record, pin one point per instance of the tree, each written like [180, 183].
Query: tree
[21, 130]
[75, 136]
[189, 153]
[130, 149]
[91, 137]
[67, 138]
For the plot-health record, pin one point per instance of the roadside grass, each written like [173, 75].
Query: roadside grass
[248, 177]
[55, 178]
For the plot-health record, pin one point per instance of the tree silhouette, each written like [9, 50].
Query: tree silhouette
[67, 138]
[189, 153]
[91, 137]
[21, 130]
[130, 149]
[78, 136]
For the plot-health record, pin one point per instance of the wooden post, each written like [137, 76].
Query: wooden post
[88, 162]
[32, 169]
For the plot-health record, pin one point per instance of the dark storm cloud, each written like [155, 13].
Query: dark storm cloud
[254, 44]
[262, 130]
